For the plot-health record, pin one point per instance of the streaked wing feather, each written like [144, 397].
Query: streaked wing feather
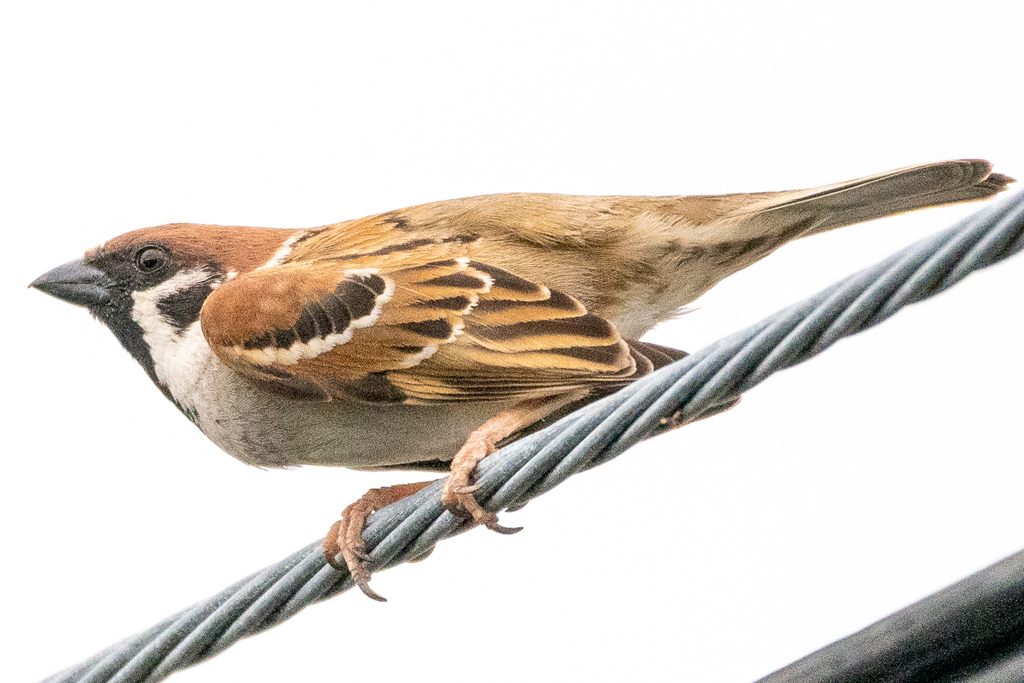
[448, 329]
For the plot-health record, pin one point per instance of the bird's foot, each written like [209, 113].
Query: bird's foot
[345, 536]
[457, 497]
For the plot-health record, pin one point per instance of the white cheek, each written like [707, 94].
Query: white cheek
[179, 356]
[184, 363]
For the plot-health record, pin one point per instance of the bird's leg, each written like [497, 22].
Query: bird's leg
[457, 494]
[346, 535]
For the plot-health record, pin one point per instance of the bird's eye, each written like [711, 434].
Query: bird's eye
[151, 259]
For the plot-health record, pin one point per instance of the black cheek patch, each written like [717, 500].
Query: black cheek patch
[181, 308]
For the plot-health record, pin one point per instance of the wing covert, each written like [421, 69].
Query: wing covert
[445, 330]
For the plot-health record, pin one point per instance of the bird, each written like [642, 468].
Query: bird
[424, 338]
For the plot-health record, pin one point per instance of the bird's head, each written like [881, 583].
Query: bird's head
[148, 286]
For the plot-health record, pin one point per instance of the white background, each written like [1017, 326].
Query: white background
[837, 492]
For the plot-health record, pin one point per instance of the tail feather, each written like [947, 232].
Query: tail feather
[907, 189]
[714, 237]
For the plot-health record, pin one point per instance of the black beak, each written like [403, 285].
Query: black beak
[77, 283]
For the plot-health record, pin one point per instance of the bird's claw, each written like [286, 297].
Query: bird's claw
[354, 559]
[458, 499]
[363, 581]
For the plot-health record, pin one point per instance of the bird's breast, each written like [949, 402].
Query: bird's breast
[268, 430]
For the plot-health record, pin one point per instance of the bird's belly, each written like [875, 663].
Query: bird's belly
[267, 430]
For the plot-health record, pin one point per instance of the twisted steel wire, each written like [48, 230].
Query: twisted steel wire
[680, 393]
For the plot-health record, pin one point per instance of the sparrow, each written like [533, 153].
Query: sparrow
[422, 338]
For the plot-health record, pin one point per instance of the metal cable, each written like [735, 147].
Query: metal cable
[678, 394]
[970, 632]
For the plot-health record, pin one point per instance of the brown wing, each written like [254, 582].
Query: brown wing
[445, 330]
[637, 260]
